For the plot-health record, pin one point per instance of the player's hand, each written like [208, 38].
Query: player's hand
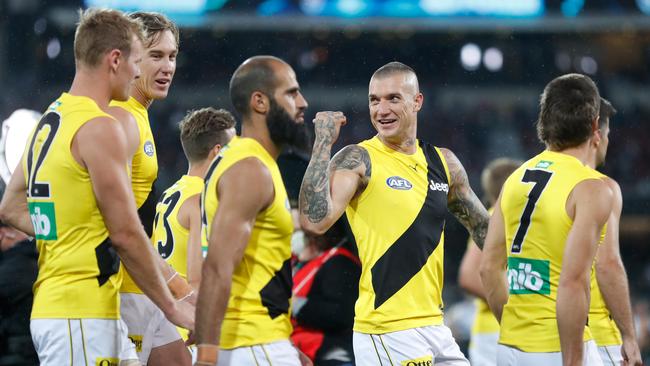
[327, 126]
[182, 315]
[631, 353]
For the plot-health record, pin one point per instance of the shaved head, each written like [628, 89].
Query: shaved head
[397, 68]
[257, 73]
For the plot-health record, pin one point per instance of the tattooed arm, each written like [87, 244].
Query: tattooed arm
[462, 201]
[328, 187]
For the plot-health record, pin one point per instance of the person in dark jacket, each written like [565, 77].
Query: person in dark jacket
[18, 270]
[325, 288]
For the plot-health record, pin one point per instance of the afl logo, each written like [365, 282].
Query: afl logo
[399, 183]
[148, 148]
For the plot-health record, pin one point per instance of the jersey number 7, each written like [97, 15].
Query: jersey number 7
[540, 178]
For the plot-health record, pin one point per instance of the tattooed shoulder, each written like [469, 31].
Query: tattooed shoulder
[352, 157]
[457, 173]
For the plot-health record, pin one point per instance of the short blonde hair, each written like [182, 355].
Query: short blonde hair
[101, 30]
[494, 175]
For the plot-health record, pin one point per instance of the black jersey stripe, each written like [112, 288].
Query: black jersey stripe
[277, 292]
[147, 210]
[410, 252]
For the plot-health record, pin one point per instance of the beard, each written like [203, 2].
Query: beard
[284, 130]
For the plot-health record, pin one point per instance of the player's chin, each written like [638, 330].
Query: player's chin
[159, 93]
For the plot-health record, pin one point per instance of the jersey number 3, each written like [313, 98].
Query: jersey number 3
[165, 249]
[540, 178]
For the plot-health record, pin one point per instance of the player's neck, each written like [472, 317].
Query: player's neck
[198, 169]
[140, 97]
[256, 129]
[85, 84]
[406, 145]
[581, 152]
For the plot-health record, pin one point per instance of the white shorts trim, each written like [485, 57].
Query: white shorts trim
[147, 326]
[80, 342]
[433, 344]
[510, 356]
[483, 349]
[611, 355]
[280, 353]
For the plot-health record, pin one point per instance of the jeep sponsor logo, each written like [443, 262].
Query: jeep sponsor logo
[422, 361]
[528, 276]
[443, 187]
[148, 148]
[107, 361]
[43, 220]
[398, 183]
[137, 341]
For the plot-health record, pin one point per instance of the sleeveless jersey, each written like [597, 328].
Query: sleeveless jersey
[169, 236]
[398, 223]
[144, 170]
[258, 308]
[533, 203]
[603, 328]
[78, 268]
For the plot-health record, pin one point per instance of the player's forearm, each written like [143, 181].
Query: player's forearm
[315, 201]
[142, 264]
[14, 212]
[613, 284]
[572, 308]
[211, 307]
[496, 289]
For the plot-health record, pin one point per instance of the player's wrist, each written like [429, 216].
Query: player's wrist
[179, 288]
[206, 354]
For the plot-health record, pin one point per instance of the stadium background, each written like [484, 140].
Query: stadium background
[481, 64]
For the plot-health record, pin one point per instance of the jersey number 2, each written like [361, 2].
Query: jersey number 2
[48, 124]
[540, 179]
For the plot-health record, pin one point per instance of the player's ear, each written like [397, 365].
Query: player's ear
[259, 103]
[419, 100]
[214, 151]
[597, 133]
[114, 59]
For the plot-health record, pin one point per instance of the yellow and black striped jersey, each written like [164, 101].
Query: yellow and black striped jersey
[398, 223]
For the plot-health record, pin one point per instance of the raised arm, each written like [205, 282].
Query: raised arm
[462, 201]
[612, 280]
[13, 208]
[328, 187]
[100, 145]
[230, 231]
[494, 262]
[591, 201]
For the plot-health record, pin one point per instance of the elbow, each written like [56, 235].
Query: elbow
[123, 240]
[312, 228]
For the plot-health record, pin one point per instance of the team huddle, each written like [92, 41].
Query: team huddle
[202, 272]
